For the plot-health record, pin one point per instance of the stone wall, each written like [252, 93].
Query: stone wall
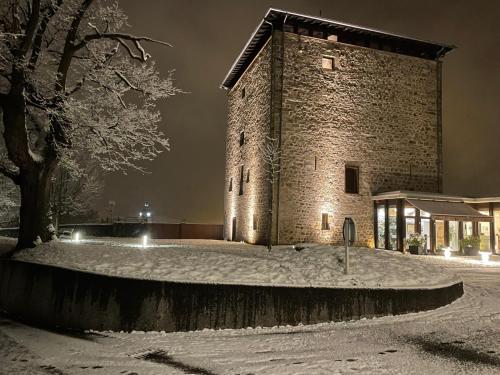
[250, 114]
[376, 110]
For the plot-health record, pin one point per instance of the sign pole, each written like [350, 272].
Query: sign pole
[348, 236]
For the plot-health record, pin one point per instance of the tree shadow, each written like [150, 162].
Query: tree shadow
[455, 350]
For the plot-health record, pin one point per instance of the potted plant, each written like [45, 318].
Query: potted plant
[470, 245]
[415, 243]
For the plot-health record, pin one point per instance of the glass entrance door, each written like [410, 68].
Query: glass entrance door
[425, 225]
[454, 240]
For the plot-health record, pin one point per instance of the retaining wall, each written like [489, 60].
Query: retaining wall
[56, 297]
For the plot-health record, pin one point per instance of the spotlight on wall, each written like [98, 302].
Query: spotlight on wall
[144, 241]
[485, 256]
[76, 237]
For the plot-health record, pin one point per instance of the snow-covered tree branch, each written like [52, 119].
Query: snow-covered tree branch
[73, 82]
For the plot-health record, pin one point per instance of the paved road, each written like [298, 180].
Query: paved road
[461, 338]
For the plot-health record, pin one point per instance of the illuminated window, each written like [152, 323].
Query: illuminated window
[242, 138]
[351, 180]
[324, 222]
[241, 181]
[231, 184]
[332, 38]
[328, 63]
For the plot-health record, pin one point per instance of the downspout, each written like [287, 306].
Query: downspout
[280, 119]
[271, 187]
[280, 127]
[439, 108]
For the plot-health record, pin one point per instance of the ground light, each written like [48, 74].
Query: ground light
[144, 241]
[485, 256]
[447, 252]
[77, 237]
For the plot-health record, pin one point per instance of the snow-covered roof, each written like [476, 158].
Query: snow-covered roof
[277, 18]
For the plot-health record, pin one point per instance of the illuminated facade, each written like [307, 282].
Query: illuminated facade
[356, 112]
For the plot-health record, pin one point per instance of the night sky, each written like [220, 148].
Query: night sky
[187, 182]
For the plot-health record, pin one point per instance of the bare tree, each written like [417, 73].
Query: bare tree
[73, 82]
[74, 193]
[9, 202]
[271, 155]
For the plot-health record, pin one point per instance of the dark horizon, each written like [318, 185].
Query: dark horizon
[187, 182]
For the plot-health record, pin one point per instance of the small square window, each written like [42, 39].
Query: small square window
[324, 222]
[351, 180]
[328, 63]
[242, 138]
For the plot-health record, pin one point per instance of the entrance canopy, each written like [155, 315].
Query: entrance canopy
[451, 211]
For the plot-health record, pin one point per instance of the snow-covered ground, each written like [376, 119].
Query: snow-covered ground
[460, 338]
[210, 261]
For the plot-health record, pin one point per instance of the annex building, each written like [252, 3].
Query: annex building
[356, 116]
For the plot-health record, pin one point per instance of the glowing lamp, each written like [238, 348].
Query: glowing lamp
[140, 214]
[447, 253]
[148, 214]
[485, 256]
[144, 241]
[77, 237]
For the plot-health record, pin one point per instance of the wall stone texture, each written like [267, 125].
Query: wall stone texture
[250, 114]
[377, 110]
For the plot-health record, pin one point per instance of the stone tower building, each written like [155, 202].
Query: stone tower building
[355, 112]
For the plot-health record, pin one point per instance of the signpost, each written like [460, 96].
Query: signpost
[349, 232]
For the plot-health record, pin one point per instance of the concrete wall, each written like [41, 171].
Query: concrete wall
[56, 297]
[154, 230]
[376, 110]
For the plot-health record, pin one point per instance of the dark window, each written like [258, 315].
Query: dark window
[242, 138]
[231, 184]
[243, 93]
[254, 222]
[241, 180]
[324, 222]
[248, 176]
[315, 163]
[351, 180]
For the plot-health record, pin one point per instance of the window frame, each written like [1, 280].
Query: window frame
[346, 185]
[325, 225]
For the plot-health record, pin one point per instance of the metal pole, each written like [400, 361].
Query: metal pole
[348, 236]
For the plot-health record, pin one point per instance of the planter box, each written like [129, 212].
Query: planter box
[470, 251]
[416, 250]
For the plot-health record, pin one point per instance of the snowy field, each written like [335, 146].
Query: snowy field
[210, 261]
[460, 338]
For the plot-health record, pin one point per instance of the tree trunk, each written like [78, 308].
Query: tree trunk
[270, 217]
[35, 217]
